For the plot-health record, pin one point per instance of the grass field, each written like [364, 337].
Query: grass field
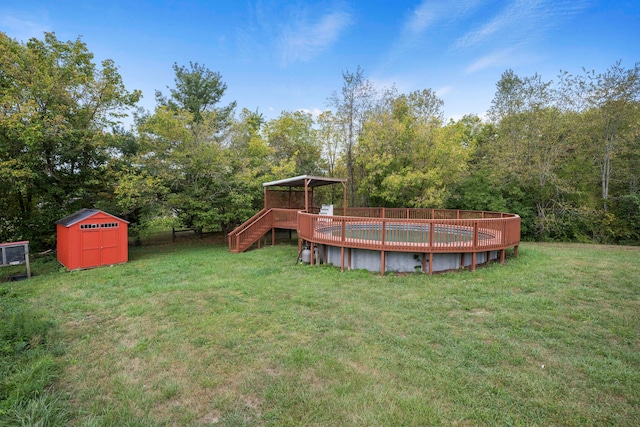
[190, 334]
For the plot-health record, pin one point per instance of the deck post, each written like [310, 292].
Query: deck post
[26, 260]
[424, 263]
[473, 261]
[430, 263]
[342, 259]
[502, 252]
[382, 262]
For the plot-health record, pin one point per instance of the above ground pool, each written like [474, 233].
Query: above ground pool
[409, 240]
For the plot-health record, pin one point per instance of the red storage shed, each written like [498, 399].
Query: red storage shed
[91, 238]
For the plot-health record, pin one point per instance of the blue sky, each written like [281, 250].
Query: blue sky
[289, 55]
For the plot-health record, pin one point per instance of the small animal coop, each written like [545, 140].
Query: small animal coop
[15, 253]
[91, 238]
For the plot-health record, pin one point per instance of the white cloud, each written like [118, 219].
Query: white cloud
[430, 13]
[522, 20]
[21, 29]
[421, 18]
[315, 112]
[496, 58]
[443, 91]
[293, 33]
[303, 40]
[426, 18]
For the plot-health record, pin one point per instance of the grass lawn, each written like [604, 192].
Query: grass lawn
[190, 334]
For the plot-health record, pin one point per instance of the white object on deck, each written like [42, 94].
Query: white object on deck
[326, 210]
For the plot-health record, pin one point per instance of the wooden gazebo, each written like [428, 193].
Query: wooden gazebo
[290, 189]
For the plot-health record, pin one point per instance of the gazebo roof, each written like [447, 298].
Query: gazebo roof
[299, 181]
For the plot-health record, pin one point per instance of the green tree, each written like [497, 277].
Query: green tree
[535, 138]
[351, 107]
[408, 157]
[198, 90]
[613, 101]
[202, 164]
[249, 156]
[329, 136]
[184, 158]
[57, 109]
[296, 147]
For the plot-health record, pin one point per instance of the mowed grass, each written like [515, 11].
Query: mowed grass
[190, 334]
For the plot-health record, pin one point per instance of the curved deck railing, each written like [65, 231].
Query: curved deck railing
[413, 230]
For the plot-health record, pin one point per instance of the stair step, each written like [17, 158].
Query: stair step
[251, 237]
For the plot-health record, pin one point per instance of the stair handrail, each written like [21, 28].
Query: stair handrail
[234, 236]
[247, 222]
[238, 229]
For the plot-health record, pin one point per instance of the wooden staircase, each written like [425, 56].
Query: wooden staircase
[244, 236]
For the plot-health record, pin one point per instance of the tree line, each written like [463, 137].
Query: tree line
[563, 154]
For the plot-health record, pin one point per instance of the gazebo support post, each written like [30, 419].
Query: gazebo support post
[306, 195]
[344, 199]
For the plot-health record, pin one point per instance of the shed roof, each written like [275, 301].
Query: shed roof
[82, 214]
[299, 181]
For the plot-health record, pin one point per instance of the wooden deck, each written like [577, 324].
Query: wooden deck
[470, 231]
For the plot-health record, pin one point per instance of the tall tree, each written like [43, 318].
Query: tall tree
[295, 144]
[189, 149]
[249, 161]
[534, 141]
[408, 157]
[188, 161]
[329, 136]
[613, 99]
[57, 108]
[350, 107]
[197, 90]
